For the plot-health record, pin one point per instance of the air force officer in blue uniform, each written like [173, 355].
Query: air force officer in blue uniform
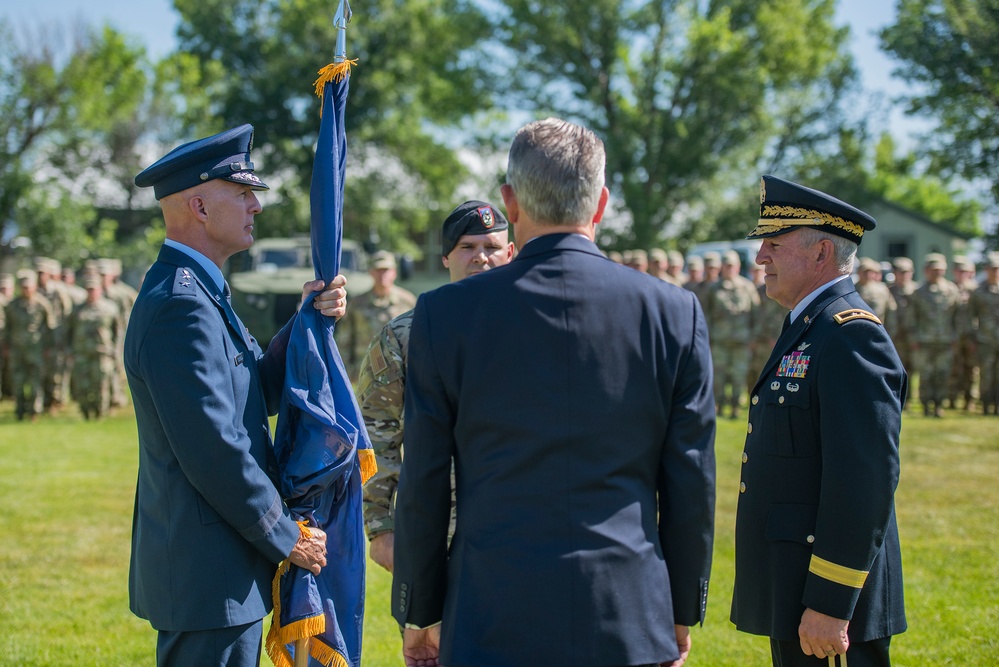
[209, 527]
[574, 396]
[817, 564]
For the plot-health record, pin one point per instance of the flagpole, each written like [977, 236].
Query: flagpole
[340, 20]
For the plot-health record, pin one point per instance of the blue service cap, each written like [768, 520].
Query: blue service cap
[470, 219]
[225, 155]
[786, 206]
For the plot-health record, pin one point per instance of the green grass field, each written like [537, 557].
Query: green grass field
[66, 493]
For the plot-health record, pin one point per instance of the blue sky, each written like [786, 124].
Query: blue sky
[153, 22]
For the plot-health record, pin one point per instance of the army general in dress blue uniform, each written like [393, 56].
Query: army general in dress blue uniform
[818, 564]
[209, 527]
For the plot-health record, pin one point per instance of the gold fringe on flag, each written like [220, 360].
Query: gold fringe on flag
[334, 72]
[278, 637]
[368, 465]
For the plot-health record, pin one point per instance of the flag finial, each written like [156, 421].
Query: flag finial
[340, 21]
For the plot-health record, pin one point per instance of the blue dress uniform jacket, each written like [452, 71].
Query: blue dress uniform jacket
[209, 525]
[816, 518]
[569, 390]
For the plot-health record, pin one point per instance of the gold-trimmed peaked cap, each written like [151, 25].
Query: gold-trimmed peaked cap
[786, 206]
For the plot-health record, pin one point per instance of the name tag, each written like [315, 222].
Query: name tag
[238, 358]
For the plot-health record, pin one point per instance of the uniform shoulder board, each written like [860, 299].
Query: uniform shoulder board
[855, 314]
[184, 282]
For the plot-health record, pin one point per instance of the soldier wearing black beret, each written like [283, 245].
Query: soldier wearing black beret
[818, 564]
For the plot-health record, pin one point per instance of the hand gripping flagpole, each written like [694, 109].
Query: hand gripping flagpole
[340, 20]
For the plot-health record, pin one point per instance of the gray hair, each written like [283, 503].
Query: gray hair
[844, 250]
[556, 170]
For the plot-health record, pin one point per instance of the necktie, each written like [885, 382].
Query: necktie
[787, 323]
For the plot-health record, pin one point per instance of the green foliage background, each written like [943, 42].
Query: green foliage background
[694, 100]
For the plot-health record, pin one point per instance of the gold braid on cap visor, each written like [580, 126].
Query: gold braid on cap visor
[777, 218]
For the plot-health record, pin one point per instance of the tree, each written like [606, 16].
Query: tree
[949, 51]
[863, 169]
[71, 115]
[689, 96]
[412, 79]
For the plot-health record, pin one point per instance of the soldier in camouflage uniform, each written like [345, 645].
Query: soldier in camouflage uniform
[28, 338]
[901, 290]
[475, 238]
[676, 267]
[934, 325]
[695, 274]
[730, 307]
[93, 336]
[875, 293]
[711, 263]
[123, 296]
[984, 304]
[766, 328]
[370, 311]
[965, 366]
[51, 287]
[659, 266]
[6, 292]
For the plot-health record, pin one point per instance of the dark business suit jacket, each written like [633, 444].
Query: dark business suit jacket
[816, 518]
[575, 398]
[209, 524]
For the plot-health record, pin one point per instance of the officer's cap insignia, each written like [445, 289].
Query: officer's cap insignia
[855, 314]
[486, 213]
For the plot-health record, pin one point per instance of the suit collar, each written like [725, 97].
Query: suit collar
[558, 242]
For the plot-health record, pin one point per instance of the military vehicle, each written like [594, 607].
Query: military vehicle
[266, 280]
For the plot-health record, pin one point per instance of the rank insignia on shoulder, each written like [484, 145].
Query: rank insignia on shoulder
[794, 365]
[855, 314]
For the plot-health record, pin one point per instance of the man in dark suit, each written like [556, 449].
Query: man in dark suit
[817, 563]
[574, 396]
[210, 527]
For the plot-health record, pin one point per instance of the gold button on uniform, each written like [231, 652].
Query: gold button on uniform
[749, 427]
[756, 399]
[745, 457]
[742, 487]
[780, 400]
[810, 539]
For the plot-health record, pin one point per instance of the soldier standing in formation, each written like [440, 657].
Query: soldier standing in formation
[50, 286]
[984, 305]
[123, 296]
[730, 306]
[766, 327]
[475, 238]
[94, 332]
[901, 290]
[28, 338]
[934, 326]
[964, 369]
[370, 311]
[676, 267]
[874, 292]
